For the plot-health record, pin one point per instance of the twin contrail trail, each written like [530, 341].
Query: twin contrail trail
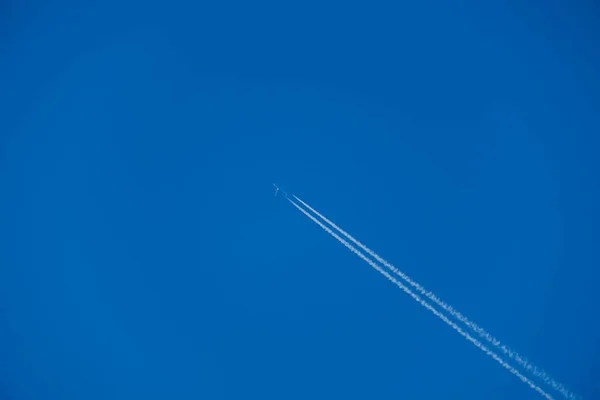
[427, 305]
[528, 366]
[538, 372]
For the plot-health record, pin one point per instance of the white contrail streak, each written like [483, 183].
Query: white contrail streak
[427, 305]
[538, 372]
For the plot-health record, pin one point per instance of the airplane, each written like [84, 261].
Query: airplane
[276, 189]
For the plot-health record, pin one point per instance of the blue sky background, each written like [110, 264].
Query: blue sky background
[143, 253]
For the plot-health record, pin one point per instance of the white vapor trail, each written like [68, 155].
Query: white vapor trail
[538, 372]
[422, 302]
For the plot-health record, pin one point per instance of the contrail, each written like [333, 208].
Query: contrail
[538, 372]
[427, 305]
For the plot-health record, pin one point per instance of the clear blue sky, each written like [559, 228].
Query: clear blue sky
[143, 254]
